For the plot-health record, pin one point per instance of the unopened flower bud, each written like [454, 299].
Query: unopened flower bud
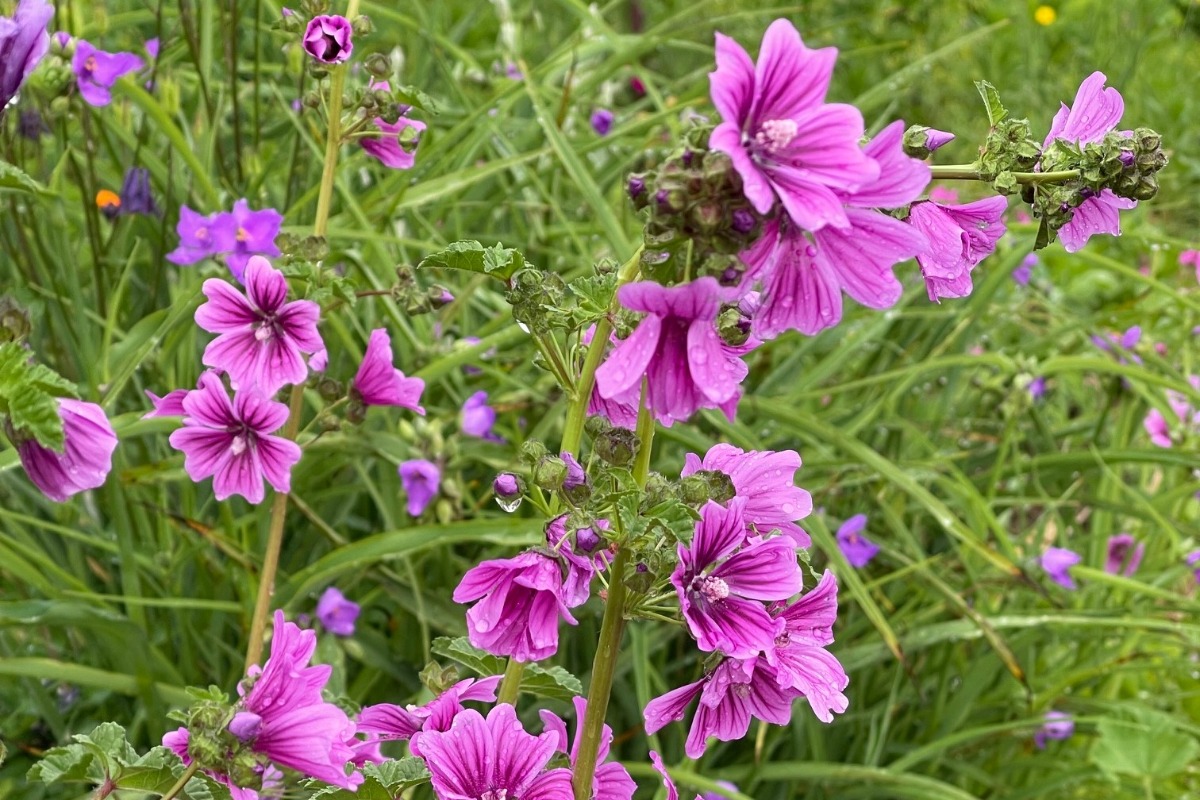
[708, 217]
[329, 389]
[594, 425]
[532, 451]
[576, 486]
[1146, 189]
[742, 220]
[587, 539]
[1147, 139]
[245, 725]
[550, 472]
[733, 328]
[617, 446]
[704, 485]
[362, 25]
[439, 296]
[637, 186]
[508, 485]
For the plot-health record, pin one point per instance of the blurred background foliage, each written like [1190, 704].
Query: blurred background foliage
[919, 417]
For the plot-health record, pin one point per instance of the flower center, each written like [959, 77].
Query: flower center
[264, 332]
[89, 66]
[238, 445]
[710, 588]
[202, 235]
[776, 134]
[241, 234]
[494, 794]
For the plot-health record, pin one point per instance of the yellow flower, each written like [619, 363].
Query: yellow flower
[1045, 15]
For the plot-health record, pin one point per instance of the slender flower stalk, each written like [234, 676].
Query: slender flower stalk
[967, 172]
[187, 775]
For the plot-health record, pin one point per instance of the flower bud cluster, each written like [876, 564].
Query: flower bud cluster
[536, 297]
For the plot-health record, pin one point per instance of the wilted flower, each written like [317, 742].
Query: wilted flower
[1123, 556]
[858, 549]
[336, 613]
[96, 71]
[24, 42]
[1058, 726]
[959, 238]
[1057, 563]
[86, 458]
[379, 383]
[420, 479]
[393, 148]
[329, 38]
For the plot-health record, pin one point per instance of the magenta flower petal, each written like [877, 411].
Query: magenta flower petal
[1124, 555]
[1156, 425]
[1058, 726]
[901, 179]
[386, 147]
[328, 38]
[86, 458]
[379, 383]
[336, 613]
[1099, 214]
[858, 549]
[201, 236]
[24, 42]
[789, 77]
[959, 238]
[1096, 111]
[1057, 563]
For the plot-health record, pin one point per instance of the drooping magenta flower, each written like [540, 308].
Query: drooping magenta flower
[611, 780]
[579, 567]
[765, 480]
[201, 236]
[668, 782]
[800, 658]
[493, 759]
[86, 458]
[784, 140]
[421, 480]
[379, 383]
[677, 349]
[1057, 562]
[336, 613]
[23, 42]
[959, 238]
[96, 71]
[392, 147]
[232, 442]
[254, 234]
[858, 549]
[723, 580]
[477, 417]
[329, 38]
[261, 336]
[602, 120]
[1096, 112]
[389, 722]
[1124, 555]
[1058, 726]
[733, 692]
[620, 410]
[520, 602]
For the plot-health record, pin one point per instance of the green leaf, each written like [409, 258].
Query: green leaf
[595, 292]
[381, 781]
[412, 96]
[465, 653]
[1148, 748]
[27, 395]
[69, 764]
[497, 261]
[13, 179]
[553, 682]
[991, 100]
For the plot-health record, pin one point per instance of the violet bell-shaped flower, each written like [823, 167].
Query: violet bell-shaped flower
[336, 613]
[96, 71]
[858, 549]
[477, 417]
[1057, 563]
[86, 457]
[23, 42]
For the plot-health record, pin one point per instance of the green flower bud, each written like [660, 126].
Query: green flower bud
[438, 678]
[596, 425]
[532, 451]
[1146, 189]
[330, 390]
[1147, 139]
[550, 472]
[362, 25]
[617, 446]
[732, 327]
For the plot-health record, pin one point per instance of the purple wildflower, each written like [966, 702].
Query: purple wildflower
[1193, 560]
[336, 613]
[1191, 257]
[390, 147]
[784, 140]
[270, 778]
[96, 71]
[86, 457]
[858, 549]
[231, 442]
[765, 479]
[1058, 726]
[24, 42]
[677, 349]
[201, 236]
[602, 120]
[477, 417]
[800, 658]
[722, 581]
[389, 722]
[1037, 387]
[1057, 562]
[261, 336]
[254, 234]
[136, 195]
[611, 780]
[421, 479]
[493, 758]
[1123, 556]
[329, 38]
[668, 783]
[1159, 429]
[379, 383]
[520, 602]
[959, 238]
[579, 568]
[576, 476]
[1024, 271]
[935, 139]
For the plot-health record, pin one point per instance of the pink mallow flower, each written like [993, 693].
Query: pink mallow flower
[493, 758]
[96, 71]
[959, 238]
[421, 480]
[858, 549]
[765, 480]
[261, 336]
[389, 722]
[1057, 562]
[724, 578]
[379, 383]
[784, 140]
[336, 613]
[1097, 111]
[388, 148]
[677, 349]
[800, 658]
[1124, 555]
[611, 780]
[1058, 726]
[329, 38]
[86, 457]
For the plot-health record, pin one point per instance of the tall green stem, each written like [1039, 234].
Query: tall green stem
[192, 769]
[510, 686]
[968, 172]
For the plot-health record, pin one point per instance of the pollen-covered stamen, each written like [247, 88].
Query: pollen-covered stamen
[264, 332]
[89, 66]
[775, 134]
[710, 588]
[238, 444]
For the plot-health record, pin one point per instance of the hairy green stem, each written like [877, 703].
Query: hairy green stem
[333, 142]
[192, 769]
[510, 686]
[968, 172]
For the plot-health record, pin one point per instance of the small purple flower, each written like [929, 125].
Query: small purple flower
[96, 71]
[152, 47]
[579, 569]
[1123, 556]
[959, 238]
[390, 147]
[261, 336]
[1024, 271]
[1058, 726]
[477, 418]
[1037, 387]
[329, 38]
[24, 42]
[576, 476]
[379, 383]
[611, 780]
[232, 442]
[602, 120]
[421, 480]
[86, 457]
[254, 234]
[1057, 562]
[935, 139]
[201, 237]
[1193, 560]
[493, 759]
[136, 194]
[858, 549]
[1159, 429]
[336, 613]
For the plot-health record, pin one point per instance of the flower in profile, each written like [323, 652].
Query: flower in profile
[611, 780]
[959, 238]
[136, 195]
[254, 233]
[602, 120]
[677, 349]
[379, 383]
[201, 236]
[765, 480]
[24, 42]
[421, 480]
[784, 140]
[477, 417]
[722, 580]
[336, 613]
[858, 549]
[86, 457]
[1058, 726]
[800, 658]
[329, 38]
[261, 336]
[388, 721]
[393, 147]
[493, 758]
[1024, 270]
[231, 442]
[1124, 555]
[96, 71]
[1057, 562]
[520, 602]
